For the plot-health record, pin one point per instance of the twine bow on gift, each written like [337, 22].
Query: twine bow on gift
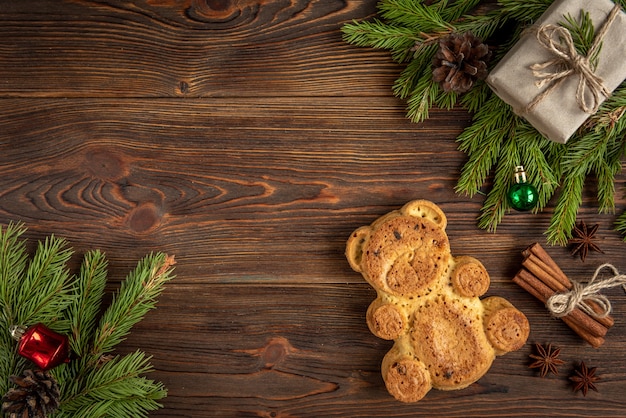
[567, 61]
[560, 304]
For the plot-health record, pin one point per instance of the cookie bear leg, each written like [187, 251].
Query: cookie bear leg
[407, 379]
[506, 327]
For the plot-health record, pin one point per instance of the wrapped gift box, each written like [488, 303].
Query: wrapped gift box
[558, 115]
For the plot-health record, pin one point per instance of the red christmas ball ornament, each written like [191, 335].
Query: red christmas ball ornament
[44, 347]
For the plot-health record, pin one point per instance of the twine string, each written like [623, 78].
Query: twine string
[560, 304]
[567, 61]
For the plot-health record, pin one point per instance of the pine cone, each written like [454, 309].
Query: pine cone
[460, 61]
[37, 394]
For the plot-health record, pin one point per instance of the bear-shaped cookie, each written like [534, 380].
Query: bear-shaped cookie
[428, 302]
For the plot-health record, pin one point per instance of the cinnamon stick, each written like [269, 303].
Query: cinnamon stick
[538, 262]
[587, 331]
[537, 250]
[586, 322]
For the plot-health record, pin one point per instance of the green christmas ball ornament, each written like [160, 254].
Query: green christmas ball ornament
[522, 195]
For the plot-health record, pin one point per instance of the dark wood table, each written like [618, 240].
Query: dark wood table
[248, 140]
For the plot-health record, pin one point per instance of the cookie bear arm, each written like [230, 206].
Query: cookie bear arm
[386, 320]
[469, 277]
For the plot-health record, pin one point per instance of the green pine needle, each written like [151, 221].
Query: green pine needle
[136, 296]
[45, 290]
[116, 389]
[564, 217]
[86, 307]
[40, 289]
[498, 140]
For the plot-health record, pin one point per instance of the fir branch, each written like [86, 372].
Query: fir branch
[414, 15]
[380, 35]
[493, 124]
[474, 99]
[583, 34]
[406, 84]
[496, 204]
[114, 389]
[40, 290]
[83, 312]
[10, 363]
[13, 260]
[482, 26]
[525, 11]
[422, 98]
[564, 217]
[620, 225]
[455, 11]
[136, 296]
[45, 290]
[533, 147]
[446, 100]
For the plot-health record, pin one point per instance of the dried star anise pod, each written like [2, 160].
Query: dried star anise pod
[460, 60]
[584, 378]
[546, 359]
[583, 240]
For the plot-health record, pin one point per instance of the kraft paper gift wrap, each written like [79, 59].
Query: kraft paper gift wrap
[558, 115]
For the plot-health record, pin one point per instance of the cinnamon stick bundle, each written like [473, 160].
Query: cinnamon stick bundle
[541, 277]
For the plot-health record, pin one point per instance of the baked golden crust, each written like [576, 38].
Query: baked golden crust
[506, 327]
[444, 336]
[406, 379]
[385, 320]
[405, 255]
[469, 277]
[447, 335]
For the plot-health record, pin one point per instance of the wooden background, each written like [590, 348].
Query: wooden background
[248, 140]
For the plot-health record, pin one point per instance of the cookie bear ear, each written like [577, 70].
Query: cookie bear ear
[354, 247]
[425, 209]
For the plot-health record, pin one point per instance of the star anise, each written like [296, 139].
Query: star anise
[546, 359]
[584, 378]
[583, 240]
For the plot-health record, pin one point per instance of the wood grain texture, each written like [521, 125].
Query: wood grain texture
[247, 139]
[192, 48]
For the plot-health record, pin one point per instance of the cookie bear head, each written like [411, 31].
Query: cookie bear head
[428, 303]
[405, 252]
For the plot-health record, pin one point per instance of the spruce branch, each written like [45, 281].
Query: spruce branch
[497, 204]
[45, 290]
[40, 289]
[411, 82]
[493, 124]
[136, 296]
[564, 217]
[415, 15]
[524, 11]
[13, 260]
[116, 388]
[85, 308]
[377, 34]
[421, 98]
[620, 225]
[411, 29]
[533, 147]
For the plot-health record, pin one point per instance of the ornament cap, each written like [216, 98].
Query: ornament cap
[520, 174]
[17, 332]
